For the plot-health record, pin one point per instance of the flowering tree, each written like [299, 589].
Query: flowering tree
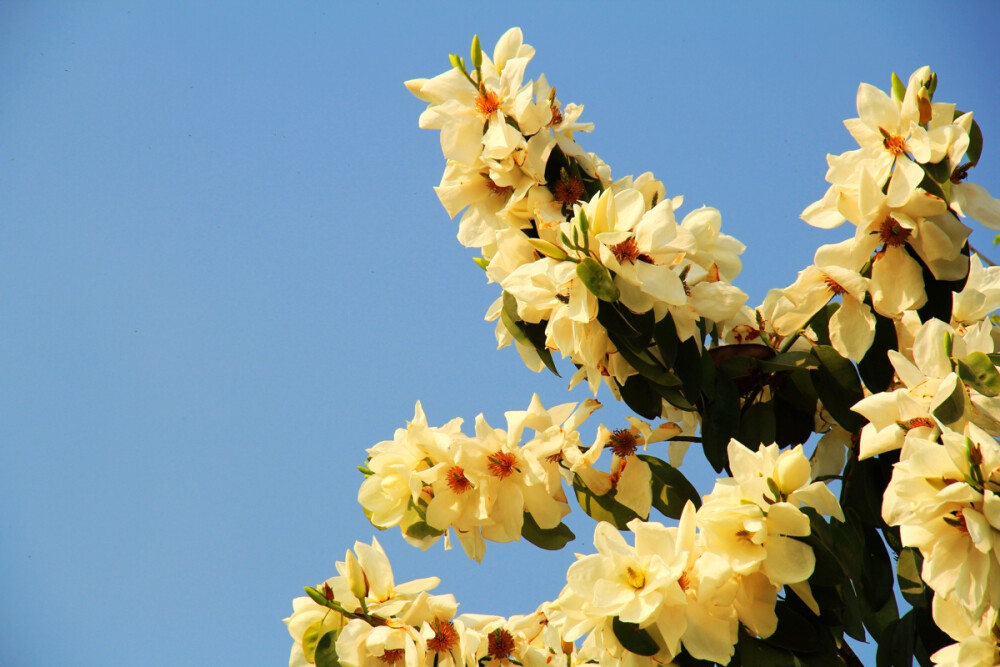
[879, 359]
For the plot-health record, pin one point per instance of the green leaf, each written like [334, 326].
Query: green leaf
[326, 650]
[310, 638]
[975, 149]
[481, 262]
[863, 488]
[597, 279]
[896, 643]
[421, 529]
[939, 171]
[911, 585]
[548, 249]
[951, 409]
[602, 508]
[795, 632]
[875, 368]
[665, 334]
[757, 425]
[721, 422]
[878, 621]
[838, 386]
[551, 539]
[792, 425]
[640, 396]
[877, 579]
[674, 397]
[633, 638]
[753, 652]
[978, 370]
[687, 366]
[820, 323]
[520, 332]
[671, 489]
[789, 361]
[316, 596]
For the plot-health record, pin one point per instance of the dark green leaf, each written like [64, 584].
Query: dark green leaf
[939, 292]
[877, 579]
[929, 637]
[795, 632]
[939, 171]
[602, 508]
[792, 426]
[640, 396]
[878, 620]
[687, 366]
[666, 340]
[896, 644]
[978, 370]
[864, 486]
[551, 539]
[326, 650]
[421, 529]
[519, 330]
[789, 361]
[975, 149]
[721, 422]
[597, 279]
[951, 409]
[671, 489]
[820, 323]
[674, 397]
[875, 368]
[753, 652]
[838, 386]
[633, 638]
[911, 585]
[757, 426]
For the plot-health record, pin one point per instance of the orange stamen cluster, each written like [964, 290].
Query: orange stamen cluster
[623, 443]
[502, 464]
[392, 656]
[457, 481]
[445, 638]
[501, 644]
[496, 190]
[895, 144]
[568, 190]
[487, 102]
[916, 422]
[834, 286]
[893, 233]
[557, 116]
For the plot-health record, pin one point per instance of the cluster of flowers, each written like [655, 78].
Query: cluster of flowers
[566, 242]
[554, 230]
[361, 618]
[904, 190]
[690, 585]
[694, 584]
[944, 419]
[430, 480]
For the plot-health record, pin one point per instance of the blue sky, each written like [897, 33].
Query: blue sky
[224, 274]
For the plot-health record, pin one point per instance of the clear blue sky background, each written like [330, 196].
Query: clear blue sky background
[224, 274]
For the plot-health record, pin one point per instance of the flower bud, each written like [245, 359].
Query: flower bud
[791, 470]
[357, 581]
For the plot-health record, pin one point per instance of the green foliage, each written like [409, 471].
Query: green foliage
[633, 638]
[671, 489]
[602, 508]
[551, 539]
[838, 386]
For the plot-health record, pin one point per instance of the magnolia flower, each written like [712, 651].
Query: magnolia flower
[943, 500]
[835, 272]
